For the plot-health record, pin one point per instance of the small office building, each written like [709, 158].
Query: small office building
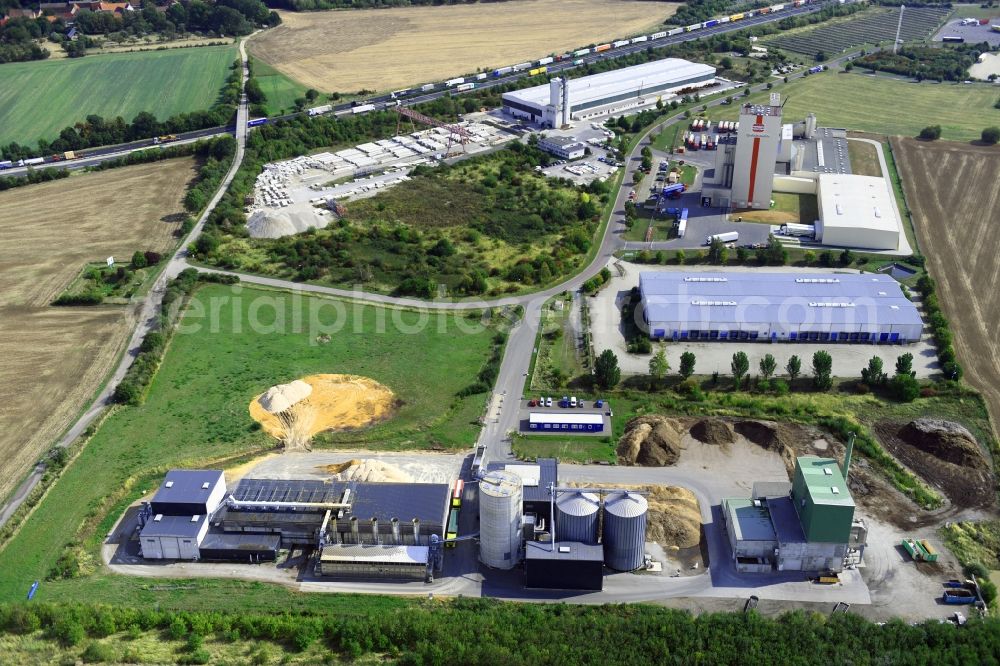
[562, 422]
[563, 147]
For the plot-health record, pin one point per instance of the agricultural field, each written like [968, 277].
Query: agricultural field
[280, 91]
[345, 51]
[958, 231]
[197, 408]
[38, 99]
[55, 358]
[869, 27]
[871, 104]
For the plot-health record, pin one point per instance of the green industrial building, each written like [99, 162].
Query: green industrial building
[822, 500]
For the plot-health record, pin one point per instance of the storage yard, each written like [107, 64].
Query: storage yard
[869, 27]
[962, 231]
[114, 213]
[294, 195]
[347, 51]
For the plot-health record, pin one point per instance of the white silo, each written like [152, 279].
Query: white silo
[500, 501]
[576, 517]
[624, 530]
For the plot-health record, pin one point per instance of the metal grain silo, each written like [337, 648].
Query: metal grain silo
[576, 517]
[500, 501]
[624, 530]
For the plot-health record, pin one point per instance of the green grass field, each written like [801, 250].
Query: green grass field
[883, 105]
[281, 91]
[38, 99]
[196, 415]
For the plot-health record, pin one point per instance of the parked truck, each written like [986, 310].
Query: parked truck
[802, 230]
[727, 237]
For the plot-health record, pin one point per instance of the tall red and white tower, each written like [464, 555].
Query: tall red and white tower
[756, 153]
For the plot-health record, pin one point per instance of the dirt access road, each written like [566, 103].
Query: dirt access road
[956, 222]
[386, 49]
[56, 357]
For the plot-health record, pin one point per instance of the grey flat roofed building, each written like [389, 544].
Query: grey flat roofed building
[189, 492]
[563, 147]
[251, 548]
[570, 565]
[777, 307]
[172, 537]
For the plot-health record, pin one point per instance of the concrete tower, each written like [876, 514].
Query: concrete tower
[756, 153]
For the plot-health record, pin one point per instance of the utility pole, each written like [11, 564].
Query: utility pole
[899, 28]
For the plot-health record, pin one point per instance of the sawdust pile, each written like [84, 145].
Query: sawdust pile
[770, 437]
[336, 402]
[650, 441]
[674, 518]
[367, 469]
[944, 440]
[713, 431]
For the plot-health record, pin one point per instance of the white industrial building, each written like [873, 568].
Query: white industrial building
[856, 211]
[778, 307]
[559, 101]
[563, 147]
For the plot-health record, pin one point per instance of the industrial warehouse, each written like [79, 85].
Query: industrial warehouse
[560, 101]
[778, 307]
[358, 529]
[805, 525]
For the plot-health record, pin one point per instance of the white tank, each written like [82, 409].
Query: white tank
[500, 500]
[576, 517]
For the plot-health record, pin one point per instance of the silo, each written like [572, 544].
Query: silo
[500, 501]
[576, 517]
[624, 530]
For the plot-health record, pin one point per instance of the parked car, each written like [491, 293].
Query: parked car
[564, 402]
[599, 404]
[572, 401]
[532, 403]
[548, 402]
[580, 404]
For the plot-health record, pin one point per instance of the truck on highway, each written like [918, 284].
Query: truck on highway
[538, 70]
[500, 71]
[803, 230]
[727, 237]
[454, 82]
[581, 52]
[481, 75]
[578, 61]
[465, 86]
[545, 61]
[427, 87]
[326, 108]
[521, 66]
[6, 164]
[30, 161]
[362, 108]
[658, 35]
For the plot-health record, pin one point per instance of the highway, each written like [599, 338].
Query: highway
[94, 156]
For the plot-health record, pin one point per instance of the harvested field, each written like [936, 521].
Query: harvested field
[945, 455]
[345, 51]
[957, 230]
[56, 358]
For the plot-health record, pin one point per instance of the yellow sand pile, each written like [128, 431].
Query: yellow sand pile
[368, 469]
[674, 519]
[336, 402]
[650, 441]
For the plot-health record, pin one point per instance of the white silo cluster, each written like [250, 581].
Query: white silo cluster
[500, 510]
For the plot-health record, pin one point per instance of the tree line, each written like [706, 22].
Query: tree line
[310, 5]
[925, 63]
[479, 631]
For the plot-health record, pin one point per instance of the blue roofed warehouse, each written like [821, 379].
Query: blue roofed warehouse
[777, 307]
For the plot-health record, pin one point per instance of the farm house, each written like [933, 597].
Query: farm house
[777, 307]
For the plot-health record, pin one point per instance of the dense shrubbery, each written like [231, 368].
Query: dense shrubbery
[475, 631]
[924, 62]
[488, 374]
[33, 176]
[939, 329]
[98, 131]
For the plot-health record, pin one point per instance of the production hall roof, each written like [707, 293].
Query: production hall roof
[564, 550]
[173, 526]
[824, 481]
[785, 298]
[536, 477]
[856, 202]
[362, 553]
[750, 519]
[605, 85]
[187, 486]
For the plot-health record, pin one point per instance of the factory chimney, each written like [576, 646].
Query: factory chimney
[395, 532]
[565, 103]
[555, 99]
[416, 531]
[847, 456]
[354, 530]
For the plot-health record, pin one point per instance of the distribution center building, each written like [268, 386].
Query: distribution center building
[777, 307]
[606, 92]
[856, 211]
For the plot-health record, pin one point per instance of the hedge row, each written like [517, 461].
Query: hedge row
[488, 375]
[939, 329]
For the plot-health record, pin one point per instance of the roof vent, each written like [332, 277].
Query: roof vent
[194, 519]
[835, 490]
[894, 307]
[563, 549]
[158, 517]
[205, 485]
[168, 484]
[828, 471]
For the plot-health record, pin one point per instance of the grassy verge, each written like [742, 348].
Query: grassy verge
[279, 90]
[557, 362]
[231, 344]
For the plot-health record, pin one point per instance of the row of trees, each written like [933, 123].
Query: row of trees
[924, 62]
[480, 631]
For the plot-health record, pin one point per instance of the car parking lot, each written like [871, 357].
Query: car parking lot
[570, 416]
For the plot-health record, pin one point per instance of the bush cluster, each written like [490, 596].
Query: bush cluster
[939, 328]
[488, 374]
[594, 284]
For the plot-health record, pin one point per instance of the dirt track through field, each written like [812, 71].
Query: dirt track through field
[952, 191]
[386, 49]
[54, 359]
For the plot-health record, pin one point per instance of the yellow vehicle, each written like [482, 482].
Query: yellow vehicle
[736, 17]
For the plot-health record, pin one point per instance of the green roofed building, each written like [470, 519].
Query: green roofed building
[822, 500]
